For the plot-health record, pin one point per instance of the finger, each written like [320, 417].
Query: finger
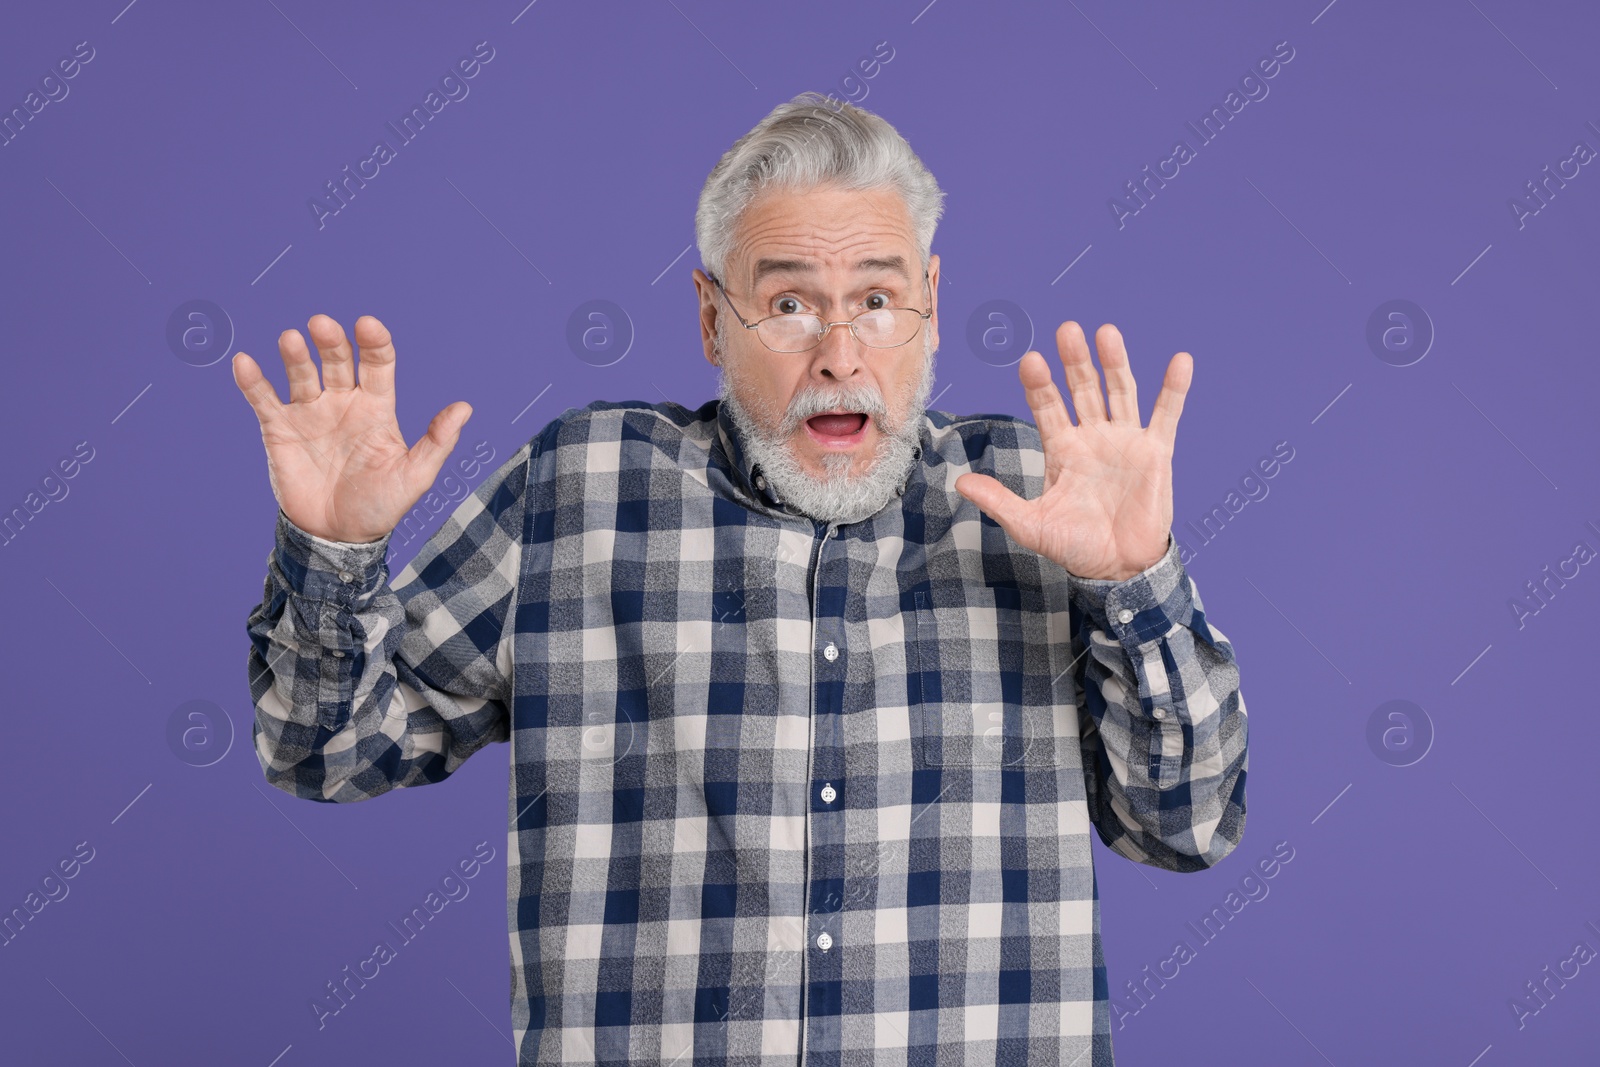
[1169, 403]
[1082, 378]
[1122, 393]
[996, 501]
[255, 387]
[302, 370]
[1044, 399]
[338, 364]
[377, 356]
[434, 447]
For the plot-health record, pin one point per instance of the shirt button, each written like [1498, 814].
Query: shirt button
[829, 794]
[830, 653]
[1160, 713]
[824, 942]
[761, 482]
[346, 576]
[338, 653]
[1124, 615]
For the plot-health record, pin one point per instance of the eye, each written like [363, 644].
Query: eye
[884, 294]
[779, 305]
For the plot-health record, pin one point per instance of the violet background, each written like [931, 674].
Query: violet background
[1420, 500]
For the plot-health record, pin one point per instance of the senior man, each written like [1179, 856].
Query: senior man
[813, 694]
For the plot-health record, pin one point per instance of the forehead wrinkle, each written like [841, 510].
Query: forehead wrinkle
[876, 228]
[882, 263]
[858, 252]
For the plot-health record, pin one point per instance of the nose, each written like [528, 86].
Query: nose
[838, 356]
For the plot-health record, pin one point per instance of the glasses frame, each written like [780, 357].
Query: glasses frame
[925, 315]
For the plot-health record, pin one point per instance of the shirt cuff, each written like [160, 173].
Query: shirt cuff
[1140, 609]
[339, 572]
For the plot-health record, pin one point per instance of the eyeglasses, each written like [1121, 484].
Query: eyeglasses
[877, 328]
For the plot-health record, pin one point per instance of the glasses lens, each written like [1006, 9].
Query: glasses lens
[887, 328]
[790, 333]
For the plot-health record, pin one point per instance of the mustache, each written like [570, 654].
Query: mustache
[813, 401]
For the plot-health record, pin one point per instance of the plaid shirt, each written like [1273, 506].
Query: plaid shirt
[783, 791]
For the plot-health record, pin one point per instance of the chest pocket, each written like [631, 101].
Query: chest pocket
[973, 700]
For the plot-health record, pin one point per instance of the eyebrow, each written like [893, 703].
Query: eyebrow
[765, 267]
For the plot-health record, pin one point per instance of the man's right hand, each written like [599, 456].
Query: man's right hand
[335, 456]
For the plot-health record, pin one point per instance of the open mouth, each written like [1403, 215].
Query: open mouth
[833, 428]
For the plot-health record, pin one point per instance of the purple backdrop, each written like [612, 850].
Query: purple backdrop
[1343, 253]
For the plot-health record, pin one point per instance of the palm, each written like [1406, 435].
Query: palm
[338, 464]
[1106, 507]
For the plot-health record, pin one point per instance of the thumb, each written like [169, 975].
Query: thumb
[995, 500]
[434, 447]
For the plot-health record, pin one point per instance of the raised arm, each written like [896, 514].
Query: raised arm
[1162, 723]
[359, 686]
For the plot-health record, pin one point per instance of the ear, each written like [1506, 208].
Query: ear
[709, 308]
[933, 289]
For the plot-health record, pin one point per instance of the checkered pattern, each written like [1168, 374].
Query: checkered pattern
[781, 791]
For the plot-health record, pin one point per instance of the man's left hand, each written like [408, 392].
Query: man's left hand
[1106, 508]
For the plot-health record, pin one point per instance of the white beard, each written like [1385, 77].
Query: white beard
[838, 496]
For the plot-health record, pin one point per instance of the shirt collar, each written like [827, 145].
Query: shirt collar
[747, 474]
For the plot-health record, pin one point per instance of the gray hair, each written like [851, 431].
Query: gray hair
[805, 143]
